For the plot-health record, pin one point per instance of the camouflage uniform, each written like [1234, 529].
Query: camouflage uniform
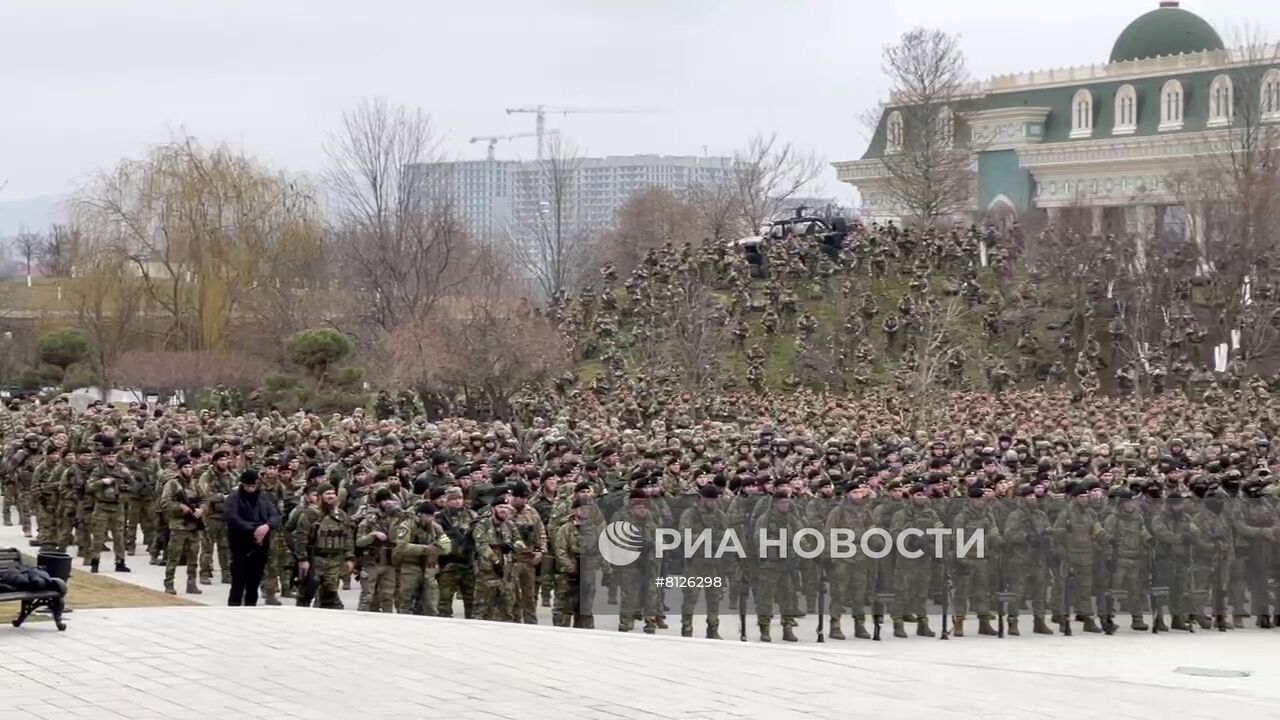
[576, 565]
[853, 579]
[496, 542]
[108, 485]
[456, 576]
[184, 530]
[327, 540]
[417, 545]
[534, 536]
[378, 573]
[214, 488]
[693, 522]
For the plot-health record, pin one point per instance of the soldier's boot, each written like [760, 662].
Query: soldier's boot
[922, 628]
[546, 601]
[1013, 626]
[155, 559]
[1179, 623]
[1264, 622]
[121, 567]
[713, 631]
[860, 628]
[1275, 621]
[650, 628]
[899, 628]
[1138, 623]
[206, 580]
[93, 566]
[1159, 625]
[764, 634]
[1040, 627]
[789, 634]
[1204, 621]
[288, 593]
[1091, 624]
[686, 626]
[661, 622]
[226, 580]
[957, 626]
[346, 582]
[269, 597]
[909, 618]
[984, 626]
[168, 588]
[1237, 621]
[1057, 618]
[85, 560]
[193, 588]
[836, 633]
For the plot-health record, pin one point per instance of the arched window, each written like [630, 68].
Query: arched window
[1271, 95]
[1171, 100]
[946, 127]
[1220, 99]
[1082, 115]
[893, 132]
[1126, 111]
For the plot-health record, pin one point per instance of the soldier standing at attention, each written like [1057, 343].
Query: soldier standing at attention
[180, 502]
[324, 536]
[108, 484]
[215, 485]
[525, 576]
[497, 542]
[419, 540]
[374, 541]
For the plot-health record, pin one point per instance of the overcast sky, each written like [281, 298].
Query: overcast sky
[84, 83]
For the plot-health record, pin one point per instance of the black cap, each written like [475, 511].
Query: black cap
[709, 491]
[425, 508]
[249, 477]
[381, 495]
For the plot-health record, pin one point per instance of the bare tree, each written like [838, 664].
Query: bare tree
[766, 174]
[698, 333]
[28, 244]
[715, 210]
[397, 229]
[551, 238]
[927, 175]
[57, 253]
[107, 299]
[647, 220]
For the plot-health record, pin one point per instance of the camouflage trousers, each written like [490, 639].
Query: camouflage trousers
[972, 587]
[139, 513]
[851, 587]
[215, 535]
[183, 549]
[8, 499]
[575, 596]
[912, 579]
[328, 575]
[775, 584]
[1029, 580]
[49, 521]
[701, 582]
[16, 496]
[524, 585]
[108, 520]
[494, 596]
[419, 593]
[637, 597]
[276, 578]
[1257, 567]
[456, 580]
[1127, 582]
[84, 526]
[1077, 586]
[377, 588]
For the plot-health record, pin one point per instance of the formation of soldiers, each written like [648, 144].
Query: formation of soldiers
[1092, 509]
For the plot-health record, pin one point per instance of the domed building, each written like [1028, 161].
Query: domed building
[1111, 138]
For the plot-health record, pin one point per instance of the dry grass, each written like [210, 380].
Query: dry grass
[86, 590]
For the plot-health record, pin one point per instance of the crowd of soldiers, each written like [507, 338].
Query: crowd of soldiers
[1091, 509]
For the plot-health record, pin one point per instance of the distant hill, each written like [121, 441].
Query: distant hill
[34, 213]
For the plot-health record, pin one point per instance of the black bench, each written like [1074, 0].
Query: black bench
[31, 601]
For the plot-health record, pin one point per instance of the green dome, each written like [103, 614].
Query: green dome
[1169, 30]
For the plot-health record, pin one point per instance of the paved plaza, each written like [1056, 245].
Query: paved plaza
[281, 663]
[287, 662]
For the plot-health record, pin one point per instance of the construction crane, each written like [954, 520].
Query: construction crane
[540, 113]
[493, 139]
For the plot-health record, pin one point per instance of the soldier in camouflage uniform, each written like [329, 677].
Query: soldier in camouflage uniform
[215, 484]
[1129, 544]
[276, 576]
[46, 483]
[776, 574]
[456, 576]
[419, 541]
[704, 574]
[913, 575]
[1078, 532]
[497, 542]
[139, 512]
[108, 483]
[525, 573]
[577, 561]
[374, 542]
[181, 504]
[324, 537]
[975, 576]
[853, 579]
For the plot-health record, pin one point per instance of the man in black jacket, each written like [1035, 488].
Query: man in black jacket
[251, 518]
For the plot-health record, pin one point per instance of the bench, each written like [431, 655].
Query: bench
[31, 601]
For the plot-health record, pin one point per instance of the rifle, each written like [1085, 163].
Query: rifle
[822, 598]
[1220, 592]
[1004, 596]
[946, 598]
[1062, 580]
[1157, 594]
[1109, 616]
[742, 604]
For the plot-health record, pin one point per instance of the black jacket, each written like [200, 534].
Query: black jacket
[243, 513]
